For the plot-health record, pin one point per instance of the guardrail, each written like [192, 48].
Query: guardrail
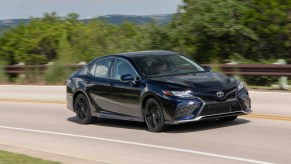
[229, 69]
[257, 69]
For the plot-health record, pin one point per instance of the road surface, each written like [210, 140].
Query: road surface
[35, 121]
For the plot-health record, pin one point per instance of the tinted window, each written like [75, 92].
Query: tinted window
[122, 68]
[93, 69]
[101, 68]
[171, 64]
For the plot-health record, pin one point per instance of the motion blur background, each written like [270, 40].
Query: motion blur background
[211, 32]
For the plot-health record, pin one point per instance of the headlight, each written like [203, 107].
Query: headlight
[179, 93]
[240, 86]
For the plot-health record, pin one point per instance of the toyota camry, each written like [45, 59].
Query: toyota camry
[159, 88]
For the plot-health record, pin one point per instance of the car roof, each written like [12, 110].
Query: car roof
[144, 53]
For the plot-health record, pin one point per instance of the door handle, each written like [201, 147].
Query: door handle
[110, 84]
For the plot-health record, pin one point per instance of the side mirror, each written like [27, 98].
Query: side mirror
[207, 68]
[127, 78]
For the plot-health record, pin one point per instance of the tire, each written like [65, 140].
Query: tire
[226, 119]
[154, 116]
[83, 111]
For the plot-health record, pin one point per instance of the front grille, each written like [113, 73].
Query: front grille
[231, 96]
[220, 108]
[209, 98]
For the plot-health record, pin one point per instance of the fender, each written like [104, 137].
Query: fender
[144, 98]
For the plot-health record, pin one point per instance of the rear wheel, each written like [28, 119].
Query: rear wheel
[82, 109]
[230, 118]
[154, 116]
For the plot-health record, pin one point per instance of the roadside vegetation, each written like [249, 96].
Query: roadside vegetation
[209, 31]
[11, 158]
[3, 76]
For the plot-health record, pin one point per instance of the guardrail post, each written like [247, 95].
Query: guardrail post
[22, 76]
[82, 63]
[283, 80]
[237, 76]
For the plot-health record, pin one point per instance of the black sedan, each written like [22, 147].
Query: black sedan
[159, 88]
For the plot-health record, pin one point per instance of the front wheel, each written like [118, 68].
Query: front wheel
[226, 119]
[154, 116]
[82, 109]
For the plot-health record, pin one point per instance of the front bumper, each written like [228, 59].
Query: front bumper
[238, 103]
[70, 102]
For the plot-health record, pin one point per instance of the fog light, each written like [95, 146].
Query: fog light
[247, 102]
[187, 109]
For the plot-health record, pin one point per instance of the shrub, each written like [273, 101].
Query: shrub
[3, 76]
[261, 80]
[57, 74]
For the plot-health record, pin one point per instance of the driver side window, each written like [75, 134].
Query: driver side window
[122, 68]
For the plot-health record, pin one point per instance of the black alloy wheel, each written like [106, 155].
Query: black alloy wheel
[82, 109]
[226, 119]
[154, 117]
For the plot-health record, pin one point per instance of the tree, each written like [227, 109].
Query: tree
[252, 29]
[209, 29]
[271, 21]
[33, 43]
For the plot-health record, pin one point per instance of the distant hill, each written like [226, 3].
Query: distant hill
[119, 19]
[114, 19]
[4, 24]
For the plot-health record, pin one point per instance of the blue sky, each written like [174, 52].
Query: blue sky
[12, 9]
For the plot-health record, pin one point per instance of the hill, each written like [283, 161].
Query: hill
[114, 19]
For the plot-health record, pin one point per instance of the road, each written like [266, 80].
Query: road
[35, 121]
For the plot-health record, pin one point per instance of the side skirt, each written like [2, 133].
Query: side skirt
[116, 116]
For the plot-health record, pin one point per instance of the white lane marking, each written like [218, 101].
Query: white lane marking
[138, 144]
[259, 92]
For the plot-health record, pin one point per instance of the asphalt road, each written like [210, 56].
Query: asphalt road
[35, 121]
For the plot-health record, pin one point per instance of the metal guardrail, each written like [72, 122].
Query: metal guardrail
[257, 69]
[229, 69]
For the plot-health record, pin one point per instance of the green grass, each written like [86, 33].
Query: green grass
[11, 158]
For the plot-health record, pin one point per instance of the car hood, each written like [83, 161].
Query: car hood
[205, 81]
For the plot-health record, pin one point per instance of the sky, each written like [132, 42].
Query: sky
[16, 9]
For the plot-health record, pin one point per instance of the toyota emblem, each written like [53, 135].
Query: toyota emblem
[219, 94]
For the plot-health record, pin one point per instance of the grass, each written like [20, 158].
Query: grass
[12, 158]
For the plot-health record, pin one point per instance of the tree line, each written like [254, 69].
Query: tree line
[207, 30]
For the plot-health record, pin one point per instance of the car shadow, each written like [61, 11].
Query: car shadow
[180, 128]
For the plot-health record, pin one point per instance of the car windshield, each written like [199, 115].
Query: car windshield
[162, 65]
